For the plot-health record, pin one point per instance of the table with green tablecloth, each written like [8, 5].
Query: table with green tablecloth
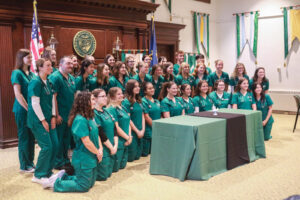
[187, 147]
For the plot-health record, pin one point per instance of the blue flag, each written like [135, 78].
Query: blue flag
[153, 48]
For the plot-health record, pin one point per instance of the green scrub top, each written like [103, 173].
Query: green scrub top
[122, 117]
[157, 86]
[220, 102]
[213, 78]
[18, 76]
[179, 80]
[82, 158]
[136, 112]
[208, 70]
[204, 77]
[81, 85]
[265, 84]
[107, 122]
[95, 85]
[175, 109]
[54, 69]
[65, 89]
[154, 111]
[234, 81]
[204, 104]
[176, 69]
[39, 89]
[114, 82]
[147, 78]
[243, 102]
[263, 106]
[188, 105]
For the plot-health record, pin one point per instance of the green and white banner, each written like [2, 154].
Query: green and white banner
[201, 26]
[247, 32]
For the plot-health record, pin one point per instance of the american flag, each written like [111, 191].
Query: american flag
[36, 43]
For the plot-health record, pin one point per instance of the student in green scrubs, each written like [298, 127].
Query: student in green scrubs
[109, 60]
[239, 72]
[186, 99]
[129, 62]
[179, 59]
[264, 104]
[220, 98]
[76, 67]
[218, 74]
[83, 81]
[121, 115]
[102, 78]
[170, 104]
[142, 76]
[243, 98]
[168, 72]
[184, 76]
[41, 120]
[63, 84]
[146, 59]
[133, 103]
[151, 112]
[119, 77]
[88, 152]
[200, 73]
[106, 123]
[157, 79]
[50, 54]
[162, 60]
[260, 77]
[201, 100]
[20, 78]
[200, 60]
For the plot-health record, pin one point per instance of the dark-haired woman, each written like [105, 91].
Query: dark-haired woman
[201, 99]
[184, 76]
[162, 60]
[157, 79]
[260, 77]
[41, 120]
[170, 104]
[220, 98]
[50, 54]
[200, 73]
[151, 112]
[121, 115]
[142, 76]
[106, 123]
[243, 98]
[88, 152]
[20, 79]
[133, 103]
[239, 72]
[186, 99]
[76, 67]
[110, 61]
[83, 81]
[168, 72]
[119, 77]
[264, 104]
[102, 78]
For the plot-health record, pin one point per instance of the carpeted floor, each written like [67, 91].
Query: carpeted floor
[276, 177]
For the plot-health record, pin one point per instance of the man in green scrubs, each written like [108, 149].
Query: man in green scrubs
[63, 84]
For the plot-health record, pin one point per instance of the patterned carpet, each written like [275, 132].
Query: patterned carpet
[275, 177]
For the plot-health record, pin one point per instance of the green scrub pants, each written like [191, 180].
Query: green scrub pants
[121, 158]
[82, 182]
[49, 145]
[267, 131]
[26, 141]
[146, 146]
[105, 168]
[135, 148]
[64, 138]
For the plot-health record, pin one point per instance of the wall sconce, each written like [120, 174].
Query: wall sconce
[52, 41]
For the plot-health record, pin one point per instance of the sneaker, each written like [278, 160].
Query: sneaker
[39, 180]
[30, 170]
[52, 179]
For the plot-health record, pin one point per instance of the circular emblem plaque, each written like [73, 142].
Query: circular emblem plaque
[84, 43]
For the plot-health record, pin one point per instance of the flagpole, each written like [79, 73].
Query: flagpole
[34, 10]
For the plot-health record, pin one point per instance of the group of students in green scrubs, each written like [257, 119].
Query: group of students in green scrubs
[113, 125]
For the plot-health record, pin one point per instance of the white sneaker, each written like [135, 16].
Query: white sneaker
[31, 170]
[52, 179]
[39, 180]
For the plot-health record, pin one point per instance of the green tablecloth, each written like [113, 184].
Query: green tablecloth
[254, 131]
[188, 147]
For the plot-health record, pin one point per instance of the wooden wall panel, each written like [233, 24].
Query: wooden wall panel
[8, 131]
